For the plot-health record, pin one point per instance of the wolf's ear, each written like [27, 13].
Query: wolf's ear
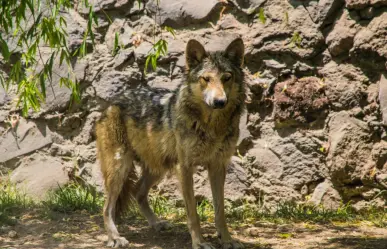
[194, 53]
[235, 52]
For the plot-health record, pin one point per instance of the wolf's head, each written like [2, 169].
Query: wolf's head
[215, 78]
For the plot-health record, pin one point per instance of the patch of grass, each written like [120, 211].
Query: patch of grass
[248, 213]
[12, 201]
[206, 211]
[293, 212]
[285, 235]
[165, 208]
[74, 197]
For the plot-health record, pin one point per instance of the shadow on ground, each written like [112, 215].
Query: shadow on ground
[80, 230]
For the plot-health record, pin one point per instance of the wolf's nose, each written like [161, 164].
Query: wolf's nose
[219, 103]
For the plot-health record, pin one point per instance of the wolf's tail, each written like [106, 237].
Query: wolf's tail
[116, 160]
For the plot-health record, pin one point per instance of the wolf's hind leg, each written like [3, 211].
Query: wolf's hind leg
[117, 181]
[146, 182]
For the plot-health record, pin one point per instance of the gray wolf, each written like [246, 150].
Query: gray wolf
[197, 124]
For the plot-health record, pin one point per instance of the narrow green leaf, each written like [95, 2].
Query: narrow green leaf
[170, 30]
[262, 16]
[148, 58]
[154, 62]
[62, 21]
[3, 82]
[4, 49]
[42, 84]
[116, 45]
[31, 6]
[50, 65]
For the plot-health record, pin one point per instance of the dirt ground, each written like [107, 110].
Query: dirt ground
[81, 230]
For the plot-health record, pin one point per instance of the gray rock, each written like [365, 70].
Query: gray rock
[340, 39]
[184, 12]
[125, 33]
[58, 96]
[39, 174]
[3, 96]
[323, 12]
[350, 148]
[144, 25]
[369, 48]
[382, 180]
[325, 194]
[356, 4]
[142, 51]
[248, 6]
[115, 83]
[124, 59]
[344, 84]
[86, 134]
[383, 97]
[100, 5]
[31, 136]
[75, 29]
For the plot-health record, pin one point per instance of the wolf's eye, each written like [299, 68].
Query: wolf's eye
[206, 78]
[227, 77]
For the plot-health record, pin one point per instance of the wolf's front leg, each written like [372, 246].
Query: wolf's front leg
[217, 175]
[185, 174]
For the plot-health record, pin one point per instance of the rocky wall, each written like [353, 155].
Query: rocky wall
[316, 116]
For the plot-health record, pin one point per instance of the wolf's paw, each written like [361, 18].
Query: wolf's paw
[119, 242]
[232, 245]
[203, 246]
[161, 225]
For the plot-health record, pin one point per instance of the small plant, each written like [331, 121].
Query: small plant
[74, 197]
[285, 235]
[286, 18]
[160, 205]
[159, 48]
[296, 40]
[205, 210]
[261, 15]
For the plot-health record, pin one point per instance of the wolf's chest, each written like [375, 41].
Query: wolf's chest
[203, 146]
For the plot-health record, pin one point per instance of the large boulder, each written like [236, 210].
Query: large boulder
[349, 150]
[29, 136]
[39, 174]
[184, 12]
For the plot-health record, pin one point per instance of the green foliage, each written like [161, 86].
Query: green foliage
[159, 48]
[296, 39]
[116, 46]
[205, 210]
[11, 200]
[292, 212]
[74, 197]
[170, 30]
[33, 27]
[261, 15]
